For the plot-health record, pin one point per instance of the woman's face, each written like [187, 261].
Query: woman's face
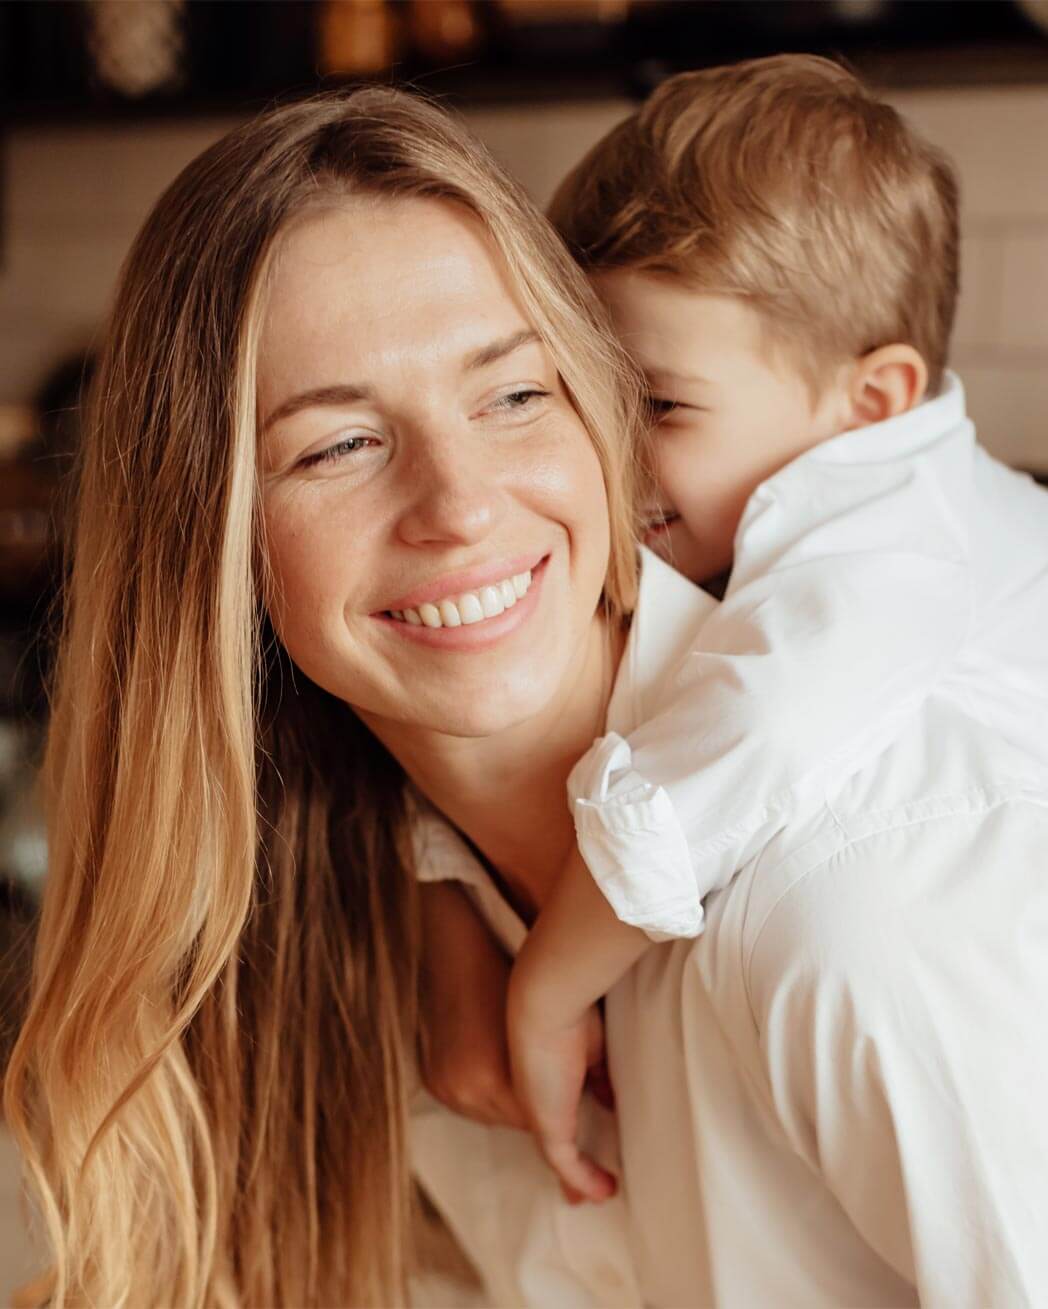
[435, 514]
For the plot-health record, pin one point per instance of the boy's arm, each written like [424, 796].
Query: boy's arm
[849, 597]
[577, 950]
[462, 997]
[573, 955]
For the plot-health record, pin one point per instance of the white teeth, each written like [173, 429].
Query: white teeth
[471, 607]
[449, 614]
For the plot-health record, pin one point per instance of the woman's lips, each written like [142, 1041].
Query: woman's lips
[476, 633]
[469, 607]
[470, 579]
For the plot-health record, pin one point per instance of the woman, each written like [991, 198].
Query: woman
[349, 367]
[351, 373]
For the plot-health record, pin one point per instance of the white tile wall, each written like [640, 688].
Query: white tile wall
[1024, 289]
[979, 306]
[996, 137]
[75, 197]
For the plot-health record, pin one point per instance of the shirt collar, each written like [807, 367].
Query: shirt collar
[669, 612]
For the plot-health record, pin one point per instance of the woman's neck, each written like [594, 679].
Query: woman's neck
[507, 791]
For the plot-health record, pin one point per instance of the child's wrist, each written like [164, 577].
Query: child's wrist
[535, 1001]
[524, 992]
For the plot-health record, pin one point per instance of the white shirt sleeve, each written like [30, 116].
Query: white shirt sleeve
[901, 1020]
[849, 597]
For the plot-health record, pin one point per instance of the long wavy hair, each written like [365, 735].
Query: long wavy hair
[210, 1087]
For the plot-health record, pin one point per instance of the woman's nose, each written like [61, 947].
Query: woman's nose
[452, 495]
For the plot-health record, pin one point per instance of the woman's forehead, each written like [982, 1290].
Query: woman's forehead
[383, 284]
[366, 254]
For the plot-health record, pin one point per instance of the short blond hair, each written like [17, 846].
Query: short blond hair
[785, 182]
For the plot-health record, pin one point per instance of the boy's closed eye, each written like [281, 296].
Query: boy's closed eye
[658, 408]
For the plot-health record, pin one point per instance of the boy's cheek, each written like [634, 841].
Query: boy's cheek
[679, 466]
[695, 470]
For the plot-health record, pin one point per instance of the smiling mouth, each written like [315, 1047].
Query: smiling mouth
[468, 607]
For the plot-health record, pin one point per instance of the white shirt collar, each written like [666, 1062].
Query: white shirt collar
[669, 612]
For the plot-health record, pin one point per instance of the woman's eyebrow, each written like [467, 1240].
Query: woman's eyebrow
[489, 354]
[345, 394]
[319, 395]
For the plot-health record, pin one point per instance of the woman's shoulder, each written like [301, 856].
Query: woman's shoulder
[442, 854]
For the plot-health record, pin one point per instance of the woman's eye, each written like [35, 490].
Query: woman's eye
[335, 452]
[517, 400]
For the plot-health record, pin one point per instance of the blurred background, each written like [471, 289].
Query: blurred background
[105, 100]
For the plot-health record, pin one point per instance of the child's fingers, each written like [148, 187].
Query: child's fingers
[578, 1173]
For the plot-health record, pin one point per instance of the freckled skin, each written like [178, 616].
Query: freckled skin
[447, 468]
[741, 411]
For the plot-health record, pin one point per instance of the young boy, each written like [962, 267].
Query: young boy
[778, 253]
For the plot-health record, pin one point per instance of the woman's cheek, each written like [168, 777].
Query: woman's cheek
[303, 587]
[561, 471]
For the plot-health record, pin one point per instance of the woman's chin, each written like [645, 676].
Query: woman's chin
[476, 712]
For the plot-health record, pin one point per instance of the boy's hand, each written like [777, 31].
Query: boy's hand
[463, 1054]
[550, 1064]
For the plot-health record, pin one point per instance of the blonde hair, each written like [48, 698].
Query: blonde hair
[210, 1086]
[785, 182]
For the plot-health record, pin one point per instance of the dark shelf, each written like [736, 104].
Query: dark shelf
[240, 57]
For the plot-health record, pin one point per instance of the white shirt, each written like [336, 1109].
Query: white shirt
[836, 1094]
[849, 599]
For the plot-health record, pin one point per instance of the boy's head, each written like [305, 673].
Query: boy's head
[779, 253]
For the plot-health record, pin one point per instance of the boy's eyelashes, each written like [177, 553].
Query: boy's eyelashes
[659, 408]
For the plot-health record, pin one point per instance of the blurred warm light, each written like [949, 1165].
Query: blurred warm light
[565, 11]
[443, 28]
[1036, 11]
[17, 429]
[136, 46]
[356, 36]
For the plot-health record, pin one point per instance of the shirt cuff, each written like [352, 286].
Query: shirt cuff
[633, 844]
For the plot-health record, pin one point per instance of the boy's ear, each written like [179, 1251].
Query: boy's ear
[886, 382]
